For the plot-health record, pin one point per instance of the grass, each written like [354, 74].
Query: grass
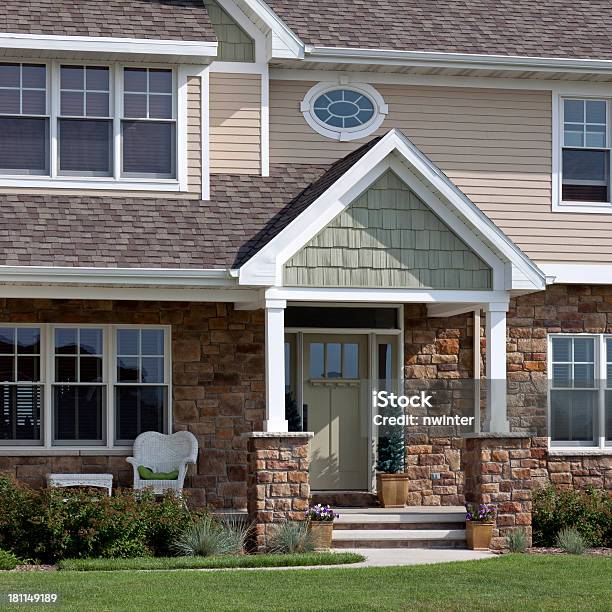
[508, 583]
[222, 562]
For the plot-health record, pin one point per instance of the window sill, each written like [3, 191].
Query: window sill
[578, 451]
[89, 183]
[39, 451]
[583, 207]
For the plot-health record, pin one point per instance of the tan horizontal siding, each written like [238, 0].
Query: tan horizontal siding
[194, 135]
[495, 145]
[235, 123]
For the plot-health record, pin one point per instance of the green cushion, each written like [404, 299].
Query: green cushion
[148, 474]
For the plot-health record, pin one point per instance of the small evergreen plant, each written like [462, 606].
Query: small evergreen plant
[391, 446]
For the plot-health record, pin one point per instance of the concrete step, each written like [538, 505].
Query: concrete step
[399, 538]
[401, 518]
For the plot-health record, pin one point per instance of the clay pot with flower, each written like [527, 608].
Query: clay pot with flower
[321, 525]
[479, 523]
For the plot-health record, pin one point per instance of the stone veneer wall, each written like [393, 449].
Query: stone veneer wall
[498, 471]
[438, 354]
[218, 388]
[278, 488]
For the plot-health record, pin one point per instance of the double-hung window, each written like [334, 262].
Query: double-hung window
[111, 125]
[580, 395]
[83, 386]
[585, 154]
[24, 119]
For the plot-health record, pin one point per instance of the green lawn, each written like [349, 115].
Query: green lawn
[225, 562]
[513, 582]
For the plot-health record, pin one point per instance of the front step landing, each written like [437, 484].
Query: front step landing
[399, 538]
[415, 527]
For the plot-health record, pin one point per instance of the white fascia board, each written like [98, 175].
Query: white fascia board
[265, 267]
[161, 294]
[392, 296]
[456, 60]
[202, 50]
[132, 277]
[450, 310]
[577, 273]
[294, 47]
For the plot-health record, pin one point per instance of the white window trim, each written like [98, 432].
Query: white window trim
[110, 376]
[558, 205]
[600, 376]
[115, 182]
[381, 110]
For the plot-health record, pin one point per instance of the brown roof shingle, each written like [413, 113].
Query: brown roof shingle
[538, 28]
[243, 214]
[152, 19]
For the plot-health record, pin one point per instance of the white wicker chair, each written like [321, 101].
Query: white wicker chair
[163, 453]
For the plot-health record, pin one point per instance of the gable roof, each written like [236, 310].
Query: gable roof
[546, 28]
[150, 19]
[446, 199]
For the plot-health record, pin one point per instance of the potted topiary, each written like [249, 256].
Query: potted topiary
[321, 525]
[479, 522]
[391, 481]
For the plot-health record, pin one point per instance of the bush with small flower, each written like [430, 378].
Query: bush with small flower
[321, 513]
[480, 513]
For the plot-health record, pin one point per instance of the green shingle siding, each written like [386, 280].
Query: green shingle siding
[387, 238]
[235, 45]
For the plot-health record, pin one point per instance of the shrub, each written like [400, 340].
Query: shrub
[292, 537]
[590, 512]
[8, 561]
[570, 540]
[59, 523]
[517, 541]
[210, 536]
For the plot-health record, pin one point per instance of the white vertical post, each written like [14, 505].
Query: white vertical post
[275, 367]
[497, 402]
[477, 365]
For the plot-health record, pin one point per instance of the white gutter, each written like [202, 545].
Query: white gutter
[455, 60]
[153, 277]
[101, 44]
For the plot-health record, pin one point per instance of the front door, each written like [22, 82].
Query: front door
[335, 397]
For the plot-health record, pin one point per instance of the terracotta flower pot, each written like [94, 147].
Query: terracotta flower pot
[392, 489]
[322, 534]
[479, 535]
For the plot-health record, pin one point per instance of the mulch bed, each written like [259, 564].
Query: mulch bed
[600, 552]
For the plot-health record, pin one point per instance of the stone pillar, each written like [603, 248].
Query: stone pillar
[497, 471]
[277, 481]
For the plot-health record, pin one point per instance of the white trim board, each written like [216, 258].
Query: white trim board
[512, 269]
[198, 50]
[577, 273]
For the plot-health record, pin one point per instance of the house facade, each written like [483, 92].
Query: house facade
[245, 219]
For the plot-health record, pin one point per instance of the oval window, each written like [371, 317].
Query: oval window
[344, 113]
[344, 108]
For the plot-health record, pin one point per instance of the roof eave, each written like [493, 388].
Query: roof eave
[436, 59]
[200, 51]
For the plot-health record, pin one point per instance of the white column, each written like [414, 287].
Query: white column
[497, 403]
[275, 367]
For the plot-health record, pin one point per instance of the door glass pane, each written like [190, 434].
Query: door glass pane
[334, 360]
[287, 367]
[350, 360]
[317, 360]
